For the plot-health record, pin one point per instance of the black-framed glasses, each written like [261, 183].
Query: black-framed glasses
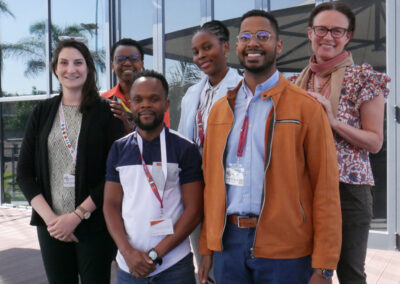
[75, 38]
[261, 36]
[133, 58]
[336, 32]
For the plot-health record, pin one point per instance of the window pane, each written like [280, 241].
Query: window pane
[281, 4]
[181, 19]
[22, 44]
[14, 118]
[82, 19]
[131, 18]
[236, 8]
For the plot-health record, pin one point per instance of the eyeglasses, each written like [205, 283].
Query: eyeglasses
[75, 38]
[261, 36]
[336, 32]
[133, 58]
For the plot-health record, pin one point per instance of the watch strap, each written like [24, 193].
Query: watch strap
[86, 214]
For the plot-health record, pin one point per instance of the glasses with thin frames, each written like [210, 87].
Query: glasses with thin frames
[75, 38]
[260, 36]
[336, 32]
[133, 58]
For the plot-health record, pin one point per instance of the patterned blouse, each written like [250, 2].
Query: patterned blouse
[361, 84]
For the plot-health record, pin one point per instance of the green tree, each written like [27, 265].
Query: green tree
[4, 9]
[34, 47]
[18, 122]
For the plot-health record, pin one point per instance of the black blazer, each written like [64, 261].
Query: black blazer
[99, 129]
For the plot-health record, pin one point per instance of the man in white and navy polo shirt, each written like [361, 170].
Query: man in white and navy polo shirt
[153, 194]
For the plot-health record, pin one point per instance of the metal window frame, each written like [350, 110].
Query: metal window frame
[159, 36]
[206, 11]
[263, 4]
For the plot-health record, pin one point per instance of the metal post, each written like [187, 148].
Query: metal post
[49, 77]
[206, 11]
[158, 36]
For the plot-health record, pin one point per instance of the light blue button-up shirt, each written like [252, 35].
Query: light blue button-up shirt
[246, 199]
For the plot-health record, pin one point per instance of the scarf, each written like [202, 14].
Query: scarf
[335, 67]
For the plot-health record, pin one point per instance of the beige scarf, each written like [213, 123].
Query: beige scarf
[335, 67]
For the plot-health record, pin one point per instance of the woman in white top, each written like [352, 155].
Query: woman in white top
[210, 45]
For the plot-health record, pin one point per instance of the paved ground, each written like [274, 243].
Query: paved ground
[21, 263]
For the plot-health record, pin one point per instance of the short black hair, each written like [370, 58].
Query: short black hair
[153, 74]
[129, 42]
[261, 13]
[335, 6]
[216, 28]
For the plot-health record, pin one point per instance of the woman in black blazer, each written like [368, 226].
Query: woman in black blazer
[61, 171]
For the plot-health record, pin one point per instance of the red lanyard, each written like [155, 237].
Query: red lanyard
[163, 162]
[151, 181]
[243, 133]
[200, 125]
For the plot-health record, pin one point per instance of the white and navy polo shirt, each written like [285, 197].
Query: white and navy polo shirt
[139, 204]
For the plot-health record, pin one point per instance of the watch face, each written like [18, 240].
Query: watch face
[327, 273]
[153, 255]
[87, 215]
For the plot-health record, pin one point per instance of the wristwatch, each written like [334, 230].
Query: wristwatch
[325, 273]
[86, 214]
[154, 256]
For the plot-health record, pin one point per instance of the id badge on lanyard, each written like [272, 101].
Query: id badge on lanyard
[163, 225]
[234, 173]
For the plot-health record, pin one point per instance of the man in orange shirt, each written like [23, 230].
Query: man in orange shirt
[126, 60]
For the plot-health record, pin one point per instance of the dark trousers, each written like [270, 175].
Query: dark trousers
[181, 272]
[235, 265]
[90, 258]
[356, 203]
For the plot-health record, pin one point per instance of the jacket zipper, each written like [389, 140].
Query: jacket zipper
[265, 172]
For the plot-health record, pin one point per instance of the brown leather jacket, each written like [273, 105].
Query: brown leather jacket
[300, 212]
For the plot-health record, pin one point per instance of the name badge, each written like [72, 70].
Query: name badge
[69, 180]
[161, 227]
[234, 175]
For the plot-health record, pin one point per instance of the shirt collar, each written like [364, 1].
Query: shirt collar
[264, 86]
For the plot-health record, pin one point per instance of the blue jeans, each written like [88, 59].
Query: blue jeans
[236, 265]
[180, 273]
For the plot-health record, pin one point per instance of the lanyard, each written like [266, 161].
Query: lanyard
[123, 104]
[243, 132]
[63, 126]
[163, 165]
[200, 126]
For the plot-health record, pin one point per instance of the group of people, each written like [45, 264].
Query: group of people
[269, 176]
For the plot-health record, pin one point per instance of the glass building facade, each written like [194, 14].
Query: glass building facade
[165, 29]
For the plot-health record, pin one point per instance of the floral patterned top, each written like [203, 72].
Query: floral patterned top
[360, 84]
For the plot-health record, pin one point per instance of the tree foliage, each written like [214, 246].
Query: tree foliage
[33, 48]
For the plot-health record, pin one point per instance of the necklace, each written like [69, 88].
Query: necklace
[321, 88]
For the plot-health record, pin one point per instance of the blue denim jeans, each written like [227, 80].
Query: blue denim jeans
[235, 265]
[180, 273]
